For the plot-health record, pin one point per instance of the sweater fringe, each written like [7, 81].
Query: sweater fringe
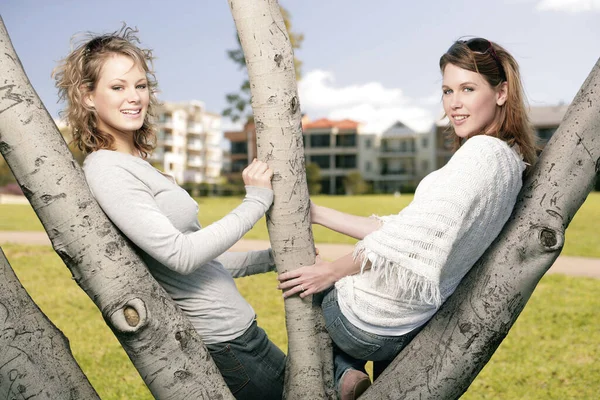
[413, 287]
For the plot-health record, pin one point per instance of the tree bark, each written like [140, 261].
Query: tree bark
[446, 356]
[35, 358]
[159, 340]
[276, 107]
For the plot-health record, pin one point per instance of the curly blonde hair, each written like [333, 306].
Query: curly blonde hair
[496, 66]
[77, 75]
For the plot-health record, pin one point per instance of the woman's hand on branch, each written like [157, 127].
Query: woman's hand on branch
[307, 280]
[258, 174]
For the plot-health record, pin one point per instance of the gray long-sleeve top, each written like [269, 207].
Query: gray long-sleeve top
[189, 261]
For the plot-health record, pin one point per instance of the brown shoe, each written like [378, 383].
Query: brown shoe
[353, 384]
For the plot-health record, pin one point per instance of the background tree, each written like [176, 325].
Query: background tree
[355, 184]
[36, 361]
[6, 176]
[239, 102]
[446, 356]
[67, 133]
[313, 178]
[276, 107]
[160, 341]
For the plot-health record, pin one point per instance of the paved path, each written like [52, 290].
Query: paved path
[575, 266]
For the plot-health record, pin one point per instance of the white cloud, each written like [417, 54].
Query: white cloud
[228, 125]
[570, 6]
[376, 106]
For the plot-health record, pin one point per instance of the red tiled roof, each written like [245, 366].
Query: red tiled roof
[324, 123]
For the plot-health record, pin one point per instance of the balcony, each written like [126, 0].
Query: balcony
[195, 162]
[391, 153]
[192, 176]
[168, 140]
[195, 145]
[397, 173]
[195, 127]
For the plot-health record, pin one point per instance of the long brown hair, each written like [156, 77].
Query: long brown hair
[77, 75]
[496, 66]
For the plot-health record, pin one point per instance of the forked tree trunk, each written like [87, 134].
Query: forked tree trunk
[276, 109]
[159, 340]
[35, 359]
[446, 356]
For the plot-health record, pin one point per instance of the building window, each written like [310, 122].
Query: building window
[544, 134]
[345, 140]
[320, 140]
[322, 161]
[339, 185]
[425, 142]
[345, 161]
[448, 142]
[326, 186]
[368, 166]
[368, 144]
[239, 148]
[238, 165]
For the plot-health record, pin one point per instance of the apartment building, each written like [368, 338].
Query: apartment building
[189, 143]
[393, 161]
[243, 150]
[545, 120]
[404, 158]
[339, 148]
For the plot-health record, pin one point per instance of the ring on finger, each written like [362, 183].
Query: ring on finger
[301, 288]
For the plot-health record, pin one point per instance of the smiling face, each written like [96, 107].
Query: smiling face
[120, 97]
[470, 102]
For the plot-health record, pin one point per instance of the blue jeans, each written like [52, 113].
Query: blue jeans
[353, 347]
[252, 366]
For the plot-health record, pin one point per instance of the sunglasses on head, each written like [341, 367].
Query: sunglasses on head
[96, 44]
[484, 46]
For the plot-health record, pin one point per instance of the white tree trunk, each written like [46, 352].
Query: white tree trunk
[35, 359]
[276, 108]
[444, 358]
[159, 340]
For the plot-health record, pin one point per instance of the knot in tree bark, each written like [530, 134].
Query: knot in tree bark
[294, 105]
[130, 317]
[278, 59]
[548, 238]
[4, 147]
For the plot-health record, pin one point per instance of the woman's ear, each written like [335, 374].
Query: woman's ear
[502, 94]
[88, 97]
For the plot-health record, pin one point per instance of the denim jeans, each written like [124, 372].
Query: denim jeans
[353, 347]
[252, 366]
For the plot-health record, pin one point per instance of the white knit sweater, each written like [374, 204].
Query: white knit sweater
[419, 256]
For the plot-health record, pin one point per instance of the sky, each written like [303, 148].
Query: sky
[372, 61]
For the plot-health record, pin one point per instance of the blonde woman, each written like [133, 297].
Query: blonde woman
[109, 87]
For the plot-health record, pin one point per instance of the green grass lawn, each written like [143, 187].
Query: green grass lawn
[551, 352]
[582, 237]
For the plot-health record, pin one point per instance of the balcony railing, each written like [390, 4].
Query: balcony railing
[195, 162]
[195, 145]
[195, 127]
[386, 172]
